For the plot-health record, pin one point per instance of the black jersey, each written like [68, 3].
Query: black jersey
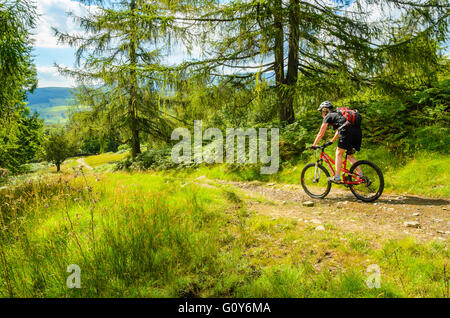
[334, 119]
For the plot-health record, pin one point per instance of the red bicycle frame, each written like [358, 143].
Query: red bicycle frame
[325, 157]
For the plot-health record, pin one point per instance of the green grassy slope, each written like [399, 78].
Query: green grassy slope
[147, 235]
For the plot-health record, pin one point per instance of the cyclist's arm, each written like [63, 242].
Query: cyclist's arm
[336, 135]
[319, 136]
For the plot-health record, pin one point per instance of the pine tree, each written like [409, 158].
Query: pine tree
[17, 75]
[321, 38]
[120, 71]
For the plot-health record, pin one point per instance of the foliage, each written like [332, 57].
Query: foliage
[327, 43]
[20, 141]
[58, 147]
[120, 73]
[19, 132]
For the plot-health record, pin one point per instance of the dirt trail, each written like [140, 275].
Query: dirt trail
[385, 217]
[83, 164]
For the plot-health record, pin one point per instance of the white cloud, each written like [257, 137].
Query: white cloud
[52, 13]
[49, 77]
[46, 69]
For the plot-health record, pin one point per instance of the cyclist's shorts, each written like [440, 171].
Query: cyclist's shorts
[350, 139]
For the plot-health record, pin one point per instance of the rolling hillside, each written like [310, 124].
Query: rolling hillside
[52, 103]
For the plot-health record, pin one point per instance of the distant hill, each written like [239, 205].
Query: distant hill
[52, 103]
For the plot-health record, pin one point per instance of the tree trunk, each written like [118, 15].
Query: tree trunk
[135, 141]
[58, 167]
[279, 59]
[292, 72]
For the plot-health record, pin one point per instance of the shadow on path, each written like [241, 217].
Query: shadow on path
[405, 199]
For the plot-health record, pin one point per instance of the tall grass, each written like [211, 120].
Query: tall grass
[146, 235]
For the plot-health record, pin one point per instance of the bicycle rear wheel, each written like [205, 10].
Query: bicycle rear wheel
[315, 182]
[372, 186]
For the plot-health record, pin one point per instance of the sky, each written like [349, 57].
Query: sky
[47, 52]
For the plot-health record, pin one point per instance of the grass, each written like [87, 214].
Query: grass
[154, 235]
[425, 174]
[105, 158]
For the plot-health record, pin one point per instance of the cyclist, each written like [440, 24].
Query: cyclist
[349, 138]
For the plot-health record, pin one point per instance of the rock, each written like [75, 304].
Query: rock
[308, 203]
[299, 220]
[443, 232]
[201, 177]
[283, 202]
[417, 214]
[412, 224]
[270, 184]
[320, 228]
[315, 221]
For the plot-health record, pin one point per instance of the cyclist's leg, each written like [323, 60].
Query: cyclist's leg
[338, 161]
[352, 160]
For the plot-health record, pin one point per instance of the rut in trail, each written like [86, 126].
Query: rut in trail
[387, 217]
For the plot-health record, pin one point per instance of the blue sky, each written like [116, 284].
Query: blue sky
[47, 51]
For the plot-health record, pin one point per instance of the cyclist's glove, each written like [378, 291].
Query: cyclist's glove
[312, 147]
[328, 143]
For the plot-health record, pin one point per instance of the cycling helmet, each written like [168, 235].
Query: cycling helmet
[326, 104]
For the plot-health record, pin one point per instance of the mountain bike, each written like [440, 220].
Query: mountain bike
[367, 187]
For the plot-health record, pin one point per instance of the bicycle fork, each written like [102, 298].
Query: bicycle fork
[317, 177]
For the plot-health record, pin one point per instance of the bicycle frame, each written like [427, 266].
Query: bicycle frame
[330, 162]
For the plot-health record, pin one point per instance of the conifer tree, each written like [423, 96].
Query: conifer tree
[120, 71]
[285, 39]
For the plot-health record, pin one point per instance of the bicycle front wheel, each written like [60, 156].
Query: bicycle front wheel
[373, 182]
[315, 180]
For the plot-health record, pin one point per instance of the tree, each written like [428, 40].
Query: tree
[57, 148]
[119, 53]
[313, 39]
[19, 133]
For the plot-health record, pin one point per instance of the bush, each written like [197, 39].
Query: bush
[432, 138]
[155, 159]
[4, 173]
[123, 148]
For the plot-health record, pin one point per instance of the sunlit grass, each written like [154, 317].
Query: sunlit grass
[109, 157]
[148, 235]
[425, 174]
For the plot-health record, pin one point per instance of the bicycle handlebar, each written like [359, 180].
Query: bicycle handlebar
[328, 143]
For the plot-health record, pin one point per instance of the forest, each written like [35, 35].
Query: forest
[103, 191]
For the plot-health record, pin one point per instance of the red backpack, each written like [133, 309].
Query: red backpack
[352, 116]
